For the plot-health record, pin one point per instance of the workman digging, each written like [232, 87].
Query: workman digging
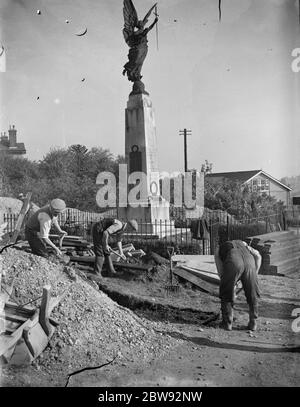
[237, 261]
[38, 227]
[104, 231]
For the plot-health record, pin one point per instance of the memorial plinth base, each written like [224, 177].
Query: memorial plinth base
[152, 216]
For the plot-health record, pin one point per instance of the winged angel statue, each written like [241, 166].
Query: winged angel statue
[135, 34]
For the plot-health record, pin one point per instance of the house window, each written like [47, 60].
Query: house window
[260, 185]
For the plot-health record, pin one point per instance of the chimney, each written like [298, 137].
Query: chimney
[4, 139]
[12, 132]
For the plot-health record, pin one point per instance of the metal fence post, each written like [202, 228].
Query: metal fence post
[211, 237]
[227, 228]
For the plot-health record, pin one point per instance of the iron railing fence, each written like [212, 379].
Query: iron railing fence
[11, 220]
[161, 234]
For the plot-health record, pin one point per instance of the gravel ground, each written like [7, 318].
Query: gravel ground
[93, 329]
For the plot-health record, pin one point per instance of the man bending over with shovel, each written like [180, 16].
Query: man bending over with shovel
[236, 261]
[104, 230]
[38, 227]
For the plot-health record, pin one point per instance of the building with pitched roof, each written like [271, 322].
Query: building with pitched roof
[9, 144]
[257, 181]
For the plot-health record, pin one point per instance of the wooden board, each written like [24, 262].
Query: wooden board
[203, 285]
[20, 220]
[199, 258]
[21, 354]
[207, 276]
[35, 339]
[44, 310]
[6, 342]
[31, 337]
[91, 259]
[68, 237]
[12, 317]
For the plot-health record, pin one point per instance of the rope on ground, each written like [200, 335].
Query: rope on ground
[88, 368]
[29, 302]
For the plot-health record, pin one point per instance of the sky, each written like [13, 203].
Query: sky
[230, 82]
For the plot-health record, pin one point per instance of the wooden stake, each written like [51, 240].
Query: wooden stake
[156, 15]
[44, 310]
[21, 217]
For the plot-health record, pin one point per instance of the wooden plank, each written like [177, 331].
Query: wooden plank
[83, 259]
[21, 355]
[126, 248]
[7, 355]
[12, 326]
[91, 259]
[44, 310]
[68, 248]
[82, 267]
[9, 330]
[13, 317]
[25, 310]
[3, 298]
[203, 285]
[7, 342]
[68, 237]
[201, 269]
[24, 210]
[204, 267]
[77, 244]
[211, 278]
[195, 258]
[35, 339]
[131, 266]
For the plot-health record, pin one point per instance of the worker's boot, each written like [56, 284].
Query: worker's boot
[99, 261]
[227, 315]
[110, 267]
[253, 315]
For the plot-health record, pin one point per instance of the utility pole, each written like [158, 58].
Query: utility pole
[185, 133]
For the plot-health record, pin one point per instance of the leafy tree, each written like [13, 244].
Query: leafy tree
[69, 173]
[238, 200]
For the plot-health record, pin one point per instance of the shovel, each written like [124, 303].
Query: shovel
[61, 241]
[117, 254]
[171, 287]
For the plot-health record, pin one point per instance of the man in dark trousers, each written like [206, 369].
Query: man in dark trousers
[236, 261]
[38, 227]
[104, 230]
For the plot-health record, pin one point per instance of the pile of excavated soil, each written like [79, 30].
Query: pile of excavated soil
[93, 329]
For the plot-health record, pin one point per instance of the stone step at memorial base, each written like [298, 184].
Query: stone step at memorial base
[154, 230]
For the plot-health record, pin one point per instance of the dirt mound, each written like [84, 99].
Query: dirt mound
[93, 329]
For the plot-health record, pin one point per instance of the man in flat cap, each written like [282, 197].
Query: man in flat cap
[38, 227]
[103, 231]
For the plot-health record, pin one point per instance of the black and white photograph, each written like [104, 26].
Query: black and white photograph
[149, 197]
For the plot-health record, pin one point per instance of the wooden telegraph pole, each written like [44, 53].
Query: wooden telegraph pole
[185, 133]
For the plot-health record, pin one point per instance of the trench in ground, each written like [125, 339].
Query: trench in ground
[153, 310]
